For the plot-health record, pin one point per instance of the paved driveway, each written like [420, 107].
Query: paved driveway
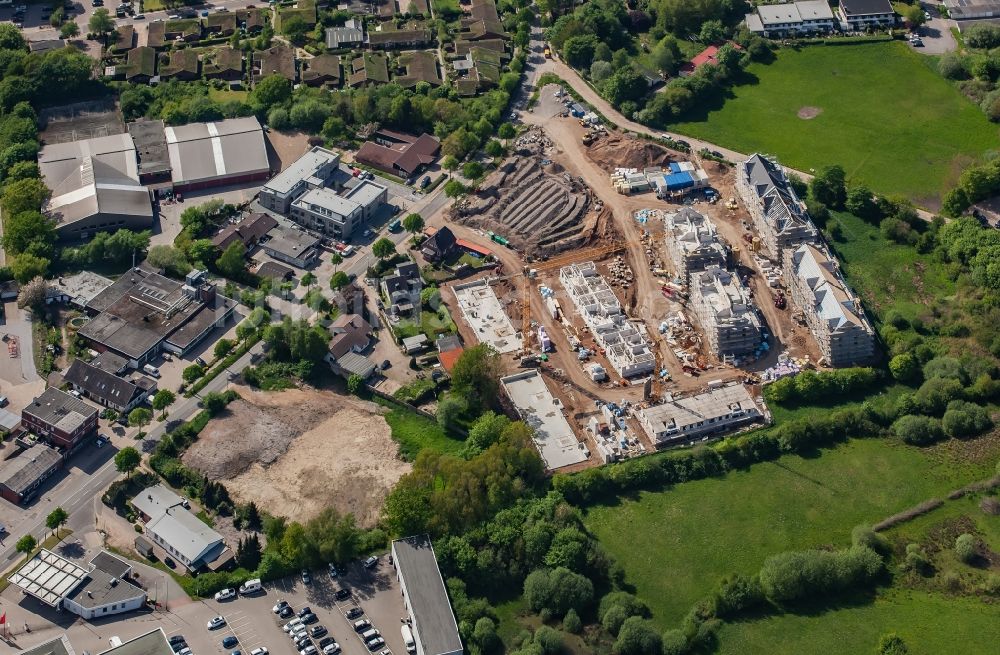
[936, 33]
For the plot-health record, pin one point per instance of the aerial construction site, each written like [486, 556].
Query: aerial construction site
[636, 319]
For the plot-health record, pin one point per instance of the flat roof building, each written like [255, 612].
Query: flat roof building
[484, 313]
[556, 442]
[714, 412]
[205, 155]
[143, 313]
[175, 529]
[779, 216]
[692, 242]
[425, 597]
[832, 310]
[315, 169]
[791, 19]
[95, 186]
[725, 312]
[338, 215]
[89, 592]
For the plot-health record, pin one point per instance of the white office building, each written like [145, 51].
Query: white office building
[713, 412]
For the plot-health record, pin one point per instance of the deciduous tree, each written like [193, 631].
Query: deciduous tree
[128, 458]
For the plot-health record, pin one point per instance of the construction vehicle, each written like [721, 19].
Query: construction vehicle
[499, 239]
[779, 299]
[587, 138]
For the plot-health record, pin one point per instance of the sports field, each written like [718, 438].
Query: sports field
[676, 544]
[878, 110]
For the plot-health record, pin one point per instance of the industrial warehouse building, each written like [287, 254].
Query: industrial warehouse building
[93, 592]
[144, 313]
[425, 597]
[95, 186]
[206, 155]
[714, 412]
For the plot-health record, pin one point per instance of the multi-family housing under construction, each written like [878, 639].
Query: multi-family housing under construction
[832, 311]
[625, 346]
[692, 243]
[778, 214]
[725, 311]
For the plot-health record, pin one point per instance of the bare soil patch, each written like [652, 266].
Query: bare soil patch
[618, 151]
[808, 113]
[300, 451]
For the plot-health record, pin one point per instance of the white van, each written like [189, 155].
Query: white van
[250, 587]
[411, 646]
[151, 370]
[368, 635]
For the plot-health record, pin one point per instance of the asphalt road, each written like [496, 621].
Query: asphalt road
[78, 499]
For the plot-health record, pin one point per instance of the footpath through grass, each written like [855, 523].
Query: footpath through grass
[415, 432]
[929, 624]
[675, 545]
[884, 115]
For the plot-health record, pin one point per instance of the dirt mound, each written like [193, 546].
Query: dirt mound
[809, 113]
[299, 451]
[617, 151]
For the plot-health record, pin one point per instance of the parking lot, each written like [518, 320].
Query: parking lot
[251, 620]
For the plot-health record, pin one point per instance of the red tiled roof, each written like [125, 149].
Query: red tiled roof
[468, 245]
[449, 357]
[706, 56]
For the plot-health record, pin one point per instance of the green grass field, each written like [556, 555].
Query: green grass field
[930, 624]
[415, 432]
[675, 545]
[898, 277]
[889, 119]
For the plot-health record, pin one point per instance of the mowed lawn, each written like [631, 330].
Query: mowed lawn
[676, 544]
[930, 625]
[885, 116]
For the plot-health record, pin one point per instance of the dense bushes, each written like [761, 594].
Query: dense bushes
[918, 430]
[558, 591]
[812, 574]
[963, 419]
[825, 386]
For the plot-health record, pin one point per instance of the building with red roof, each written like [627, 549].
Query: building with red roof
[707, 56]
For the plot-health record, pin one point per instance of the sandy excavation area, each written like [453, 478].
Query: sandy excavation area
[299, 451]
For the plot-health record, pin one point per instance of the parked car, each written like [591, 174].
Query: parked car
[425, 181]
[176, 639]
[306, 578]
[142, 17]
[260, 650]
[280, 605]
[354, 612]
[100, 441]
[308, 650]
[325, 641]
[291, 625]
[230, 641]
[305, 610]
[286, 612]
[331, 649]
[216, 623]
[179, 646]
[225, 594]
[371, 562]
[318, 631]
[362, 625]
[342, 594]
[310, 618]
[332, 568]
[375, 643]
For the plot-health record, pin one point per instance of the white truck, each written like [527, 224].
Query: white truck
[411, 646]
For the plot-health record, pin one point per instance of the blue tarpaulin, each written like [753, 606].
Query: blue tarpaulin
[679, 181]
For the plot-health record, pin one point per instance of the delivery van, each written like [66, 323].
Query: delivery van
[250, 587]
[411, 646]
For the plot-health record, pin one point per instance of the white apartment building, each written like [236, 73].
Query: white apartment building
[725, 312]
[692, 242]
[792, 19]
[314, 170]
[712, 412]
[625, 345]
[832, 311]
[778, 214]
[328, 212]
